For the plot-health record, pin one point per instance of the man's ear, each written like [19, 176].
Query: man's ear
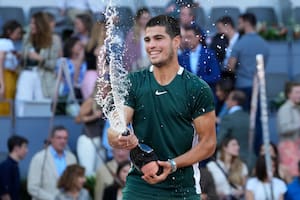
[177, 41]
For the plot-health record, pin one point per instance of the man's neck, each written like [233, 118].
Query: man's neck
[14, 157]
[165, 74]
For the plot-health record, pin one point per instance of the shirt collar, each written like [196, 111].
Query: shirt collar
[234, 109]
[54, 152]
[179, 72]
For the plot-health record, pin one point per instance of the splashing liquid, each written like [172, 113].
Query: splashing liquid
[112, 82]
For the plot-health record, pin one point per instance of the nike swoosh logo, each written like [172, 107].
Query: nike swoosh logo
[160, 93]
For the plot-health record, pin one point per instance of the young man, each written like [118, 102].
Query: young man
[9, 170]
[172, 111]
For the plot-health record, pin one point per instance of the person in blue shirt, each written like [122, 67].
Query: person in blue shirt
[293, 188]
[9, 169]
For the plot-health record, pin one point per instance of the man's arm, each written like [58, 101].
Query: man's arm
[34, 185]
[116, 140]
[231, 64]
[205, 129]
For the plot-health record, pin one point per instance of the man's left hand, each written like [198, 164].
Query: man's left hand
[153, 178]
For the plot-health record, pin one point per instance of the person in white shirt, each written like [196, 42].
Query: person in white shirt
[261, 187]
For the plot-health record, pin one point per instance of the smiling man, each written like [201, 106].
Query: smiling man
[170, 110]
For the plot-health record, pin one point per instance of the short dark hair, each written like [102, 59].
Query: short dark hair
[57, 128]
[9, 27]
[289, 86]
[68, 46]
[249, 17]
[140, 12]
[170, 23]
[15, 141]
[238, 96]
[226, 20]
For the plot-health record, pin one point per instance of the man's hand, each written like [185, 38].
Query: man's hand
[116, 140]
[150, 175]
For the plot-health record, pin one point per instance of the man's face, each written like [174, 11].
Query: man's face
[160, 47]
[59, 140]
[22, 151]
[294, 95]
[192, 39]
[120, 155]
[186, 17]
[184, 40]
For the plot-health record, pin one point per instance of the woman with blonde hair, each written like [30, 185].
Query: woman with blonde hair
[71, 184]
[228, 171]
[40, 53]
[92, 51]
[135, 56]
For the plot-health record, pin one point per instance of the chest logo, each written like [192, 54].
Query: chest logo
[157, 93]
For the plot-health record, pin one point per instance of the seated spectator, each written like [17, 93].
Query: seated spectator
[71, 183]
[9, 61]
[10, 180]
[82, 27]
[229, 126]
[40, 53]
[288, 118]
[223, 87]
[105, 174]
[199, 59]
[293, 188]
[261, 187]
[89, 143]
[135, 56]
[48, 165]
[173, 7]
[92, 51]
[228, 171]
[114, 191]
[74, 53]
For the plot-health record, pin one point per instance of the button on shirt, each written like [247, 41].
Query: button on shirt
[59, 160]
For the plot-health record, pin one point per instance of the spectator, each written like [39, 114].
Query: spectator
[288, 118]
[261, 187]
[55, 36]
[92, 50]
[105, 174]
[114, 191]
[199, 59]
[74, 53]
[48, 165]
[186, 15]
[223, 87]
[242, 59]
[10, 182]
[293, 189]
[71, 184]
[89, 143]
[228, 171]
[173, 7]
[9, 61]
[40, 54]
[135, 57]
[230, 127]
[226, 27]
[83, 25]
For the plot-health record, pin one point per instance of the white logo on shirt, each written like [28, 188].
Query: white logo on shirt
[160, 93]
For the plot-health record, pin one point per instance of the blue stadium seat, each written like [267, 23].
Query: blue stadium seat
[296, 60]
[218, 12]
[264, 14]
[10, 12]
[156, 10]
[296, 13]
[6, 131]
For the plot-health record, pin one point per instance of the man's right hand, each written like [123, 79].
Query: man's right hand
[117, 140]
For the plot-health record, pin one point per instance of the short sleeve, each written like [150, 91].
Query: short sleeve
[202, 98]
[130, 99]
[250, 185]
[235, 50]
[6, 45]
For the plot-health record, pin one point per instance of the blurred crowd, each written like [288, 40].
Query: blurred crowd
[39, 65]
